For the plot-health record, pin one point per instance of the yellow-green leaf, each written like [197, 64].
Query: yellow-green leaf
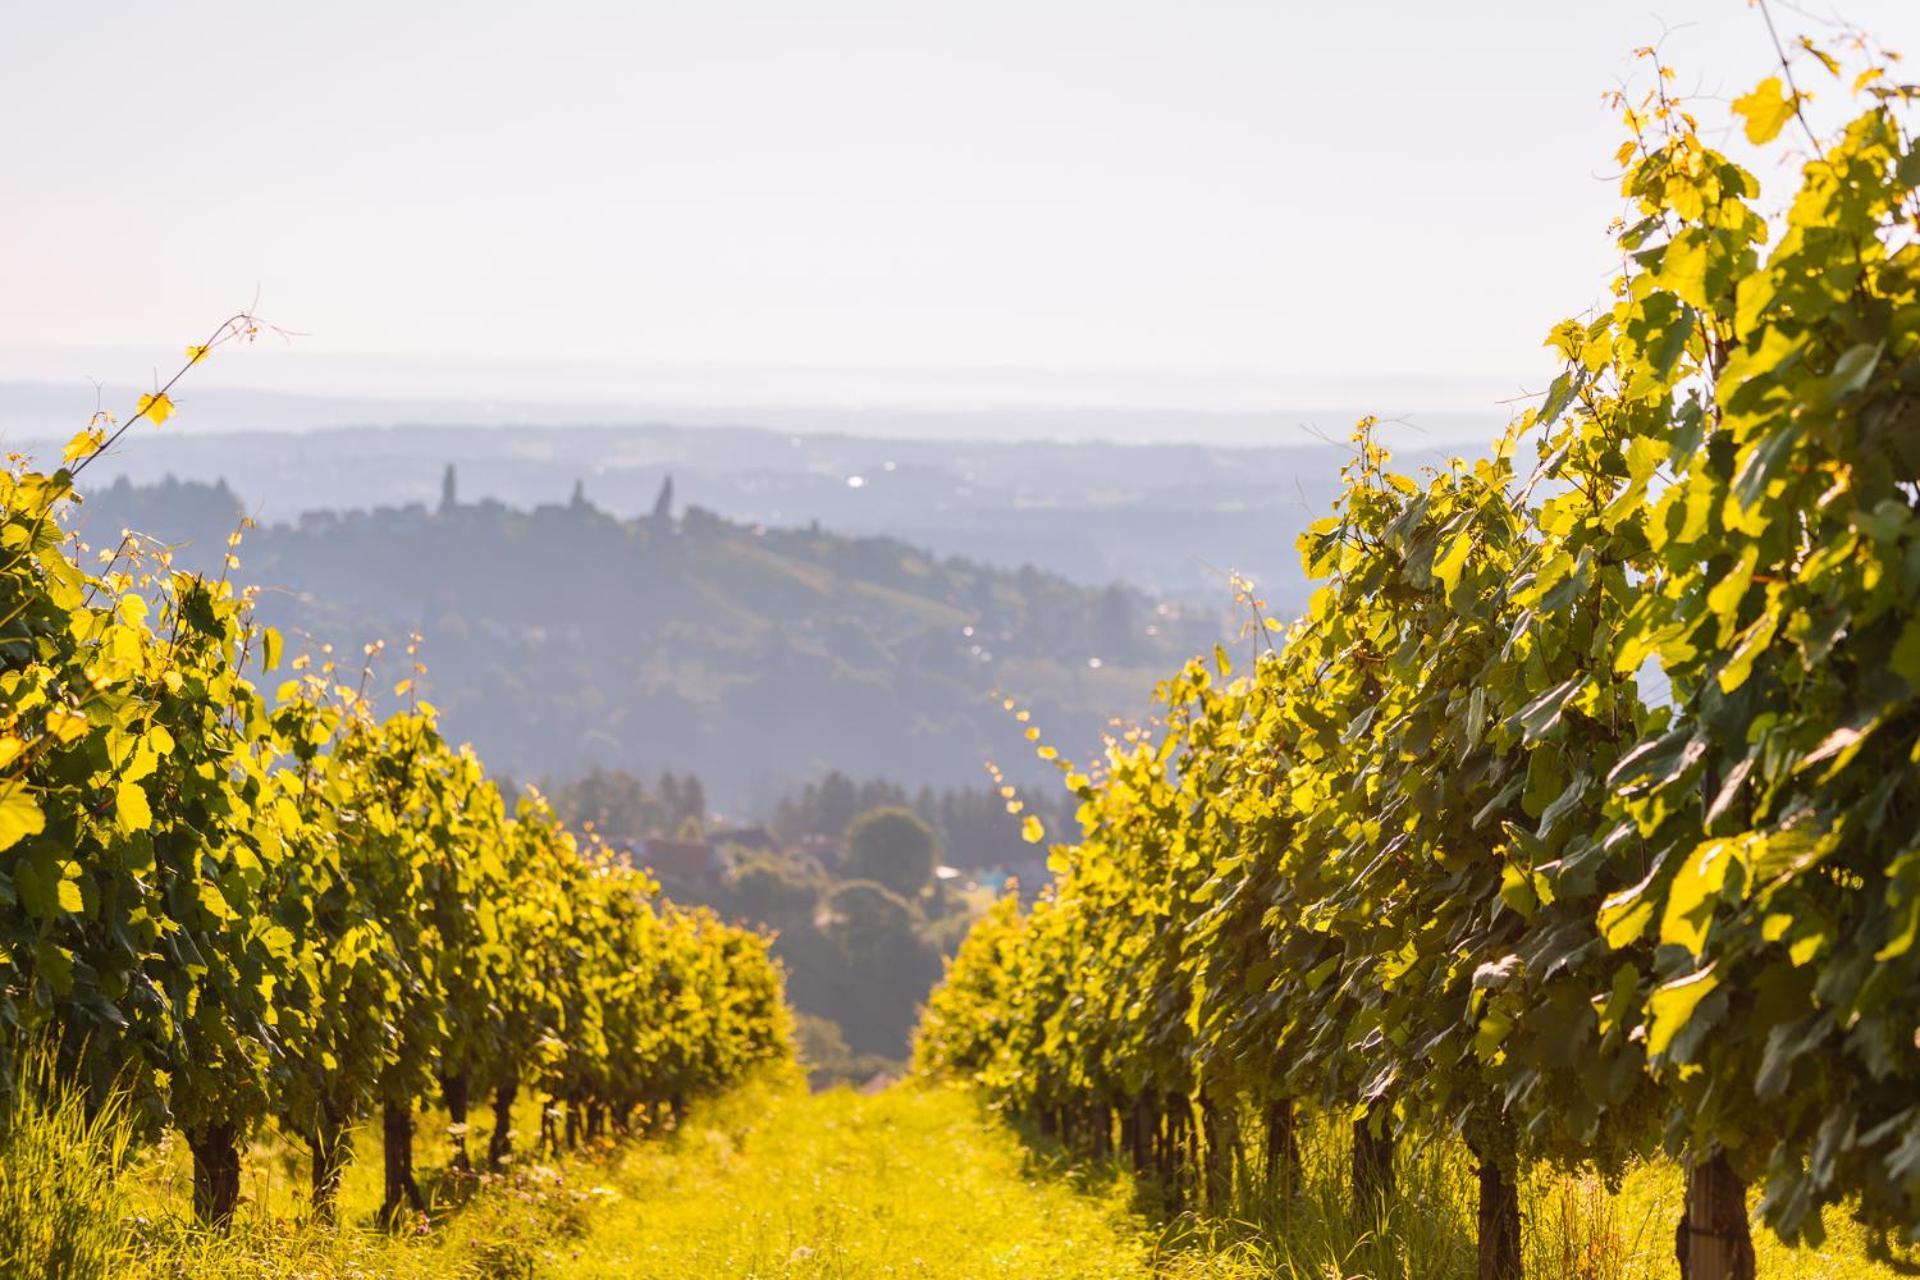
[1625, 915]
[1725, 596]
[130, 807]
[156, 407]
[1614, 1005]
[1683, 268]
[85, 443]
[56, 967]
[213, 901]
[1753, 642]
[20, 815]
[1673, 1005]
[1691, 897]
[64, 724]
[1516, 891]
[1766, 110]
[1449, 566]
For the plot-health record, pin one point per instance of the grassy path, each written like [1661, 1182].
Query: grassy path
[908, 1182]
[770, 1183]
[774, 1184]
[918, 1182]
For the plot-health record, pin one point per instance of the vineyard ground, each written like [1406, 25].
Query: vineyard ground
[769, 1181]
[911, 1182]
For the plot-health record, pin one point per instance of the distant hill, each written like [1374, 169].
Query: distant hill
[563, 636]
[1172, 519]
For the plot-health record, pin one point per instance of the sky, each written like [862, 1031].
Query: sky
[1213, 204]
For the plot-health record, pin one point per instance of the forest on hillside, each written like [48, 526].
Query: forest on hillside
[563, 637]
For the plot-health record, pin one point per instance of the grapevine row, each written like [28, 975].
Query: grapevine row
[1579, 816]
[238, 907]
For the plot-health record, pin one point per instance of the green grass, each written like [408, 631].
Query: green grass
[920, 1182]
[768, 1182]
[1574, 1227]
[908, 1182]
[488, 1228]
[771, 1182]
[62, 1203]
[1579, 1230]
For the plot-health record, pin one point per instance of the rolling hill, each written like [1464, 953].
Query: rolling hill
[564, 636]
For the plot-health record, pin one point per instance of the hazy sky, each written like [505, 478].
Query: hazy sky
[1273, 200]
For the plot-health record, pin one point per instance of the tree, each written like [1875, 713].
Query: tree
[615, 803]
[1116, 623]
[893, 847]
[868, 920]
[885, 967]
[693, 799]
[668, 789]
[827, 808]
[772, 889]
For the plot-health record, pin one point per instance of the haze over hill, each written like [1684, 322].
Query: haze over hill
[1172, 519]
[564, 636]
[294, 387]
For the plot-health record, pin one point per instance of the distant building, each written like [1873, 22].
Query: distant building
[686, 861]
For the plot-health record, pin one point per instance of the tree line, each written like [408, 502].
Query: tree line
[1578, 816]
[978, 826]
[236, 906]
[618, 805]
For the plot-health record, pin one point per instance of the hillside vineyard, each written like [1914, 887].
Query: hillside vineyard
[1572, 829]
[1579, 815]
[227, 906]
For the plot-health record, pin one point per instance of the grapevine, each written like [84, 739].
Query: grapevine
[1578, 814]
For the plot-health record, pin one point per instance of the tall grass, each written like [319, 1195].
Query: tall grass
[1323, 1233]
[771, 1182]
[1574, 1225]
[63, 1203]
